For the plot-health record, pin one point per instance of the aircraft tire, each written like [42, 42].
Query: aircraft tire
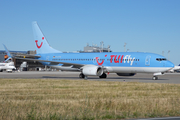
[103, 76]
[81, 75]
[154, 77]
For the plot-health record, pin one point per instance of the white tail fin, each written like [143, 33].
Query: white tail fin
[42, 46]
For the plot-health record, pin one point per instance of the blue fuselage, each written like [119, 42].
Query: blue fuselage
[114, 60]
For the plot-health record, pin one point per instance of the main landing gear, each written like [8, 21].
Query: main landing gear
[81, 75]
[103, 76]
[154, 77]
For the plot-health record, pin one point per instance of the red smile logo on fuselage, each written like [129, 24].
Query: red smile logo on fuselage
[100, 63]
[39, 46]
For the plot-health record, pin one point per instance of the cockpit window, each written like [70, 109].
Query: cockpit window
[161, 59]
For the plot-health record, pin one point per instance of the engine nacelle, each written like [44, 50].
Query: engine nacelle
[157, 74]
[92, 71]
[125, 74]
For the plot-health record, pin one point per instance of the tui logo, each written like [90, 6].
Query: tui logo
[39, 46]
[100, 63]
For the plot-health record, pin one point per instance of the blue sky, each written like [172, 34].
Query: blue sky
[145, 25]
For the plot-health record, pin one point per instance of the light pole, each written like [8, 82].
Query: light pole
[108, 48]
[102, 45]
[168, 55]
[125, 47]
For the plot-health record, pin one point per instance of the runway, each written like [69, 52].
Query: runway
[173, 78]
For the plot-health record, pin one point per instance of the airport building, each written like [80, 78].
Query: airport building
[31, 65]
[95, 48]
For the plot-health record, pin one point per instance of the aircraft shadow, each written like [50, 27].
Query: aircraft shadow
[108, 78]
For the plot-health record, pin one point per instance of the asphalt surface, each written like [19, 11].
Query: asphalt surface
[173, 78]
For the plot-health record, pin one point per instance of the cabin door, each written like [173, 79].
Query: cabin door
[147, 60]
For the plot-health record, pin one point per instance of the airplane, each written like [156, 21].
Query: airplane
[175, 68]
[8, 64]
[98, 64]
[9, 67]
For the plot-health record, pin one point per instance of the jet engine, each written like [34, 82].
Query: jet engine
[125, 74]
[92, 71]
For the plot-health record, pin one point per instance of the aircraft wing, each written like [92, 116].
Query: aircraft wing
[25, 55]
[19, 55]
[75, 65]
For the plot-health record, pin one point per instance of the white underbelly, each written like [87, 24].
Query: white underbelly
[137, 69]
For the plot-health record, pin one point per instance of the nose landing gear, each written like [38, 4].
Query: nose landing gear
[154, 77]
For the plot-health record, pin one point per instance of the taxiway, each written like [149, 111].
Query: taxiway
[173, 78]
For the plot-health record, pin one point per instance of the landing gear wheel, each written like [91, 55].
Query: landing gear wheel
[154, 77]
[103, 76]
[81, 75]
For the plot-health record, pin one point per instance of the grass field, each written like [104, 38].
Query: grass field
[88, 100]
